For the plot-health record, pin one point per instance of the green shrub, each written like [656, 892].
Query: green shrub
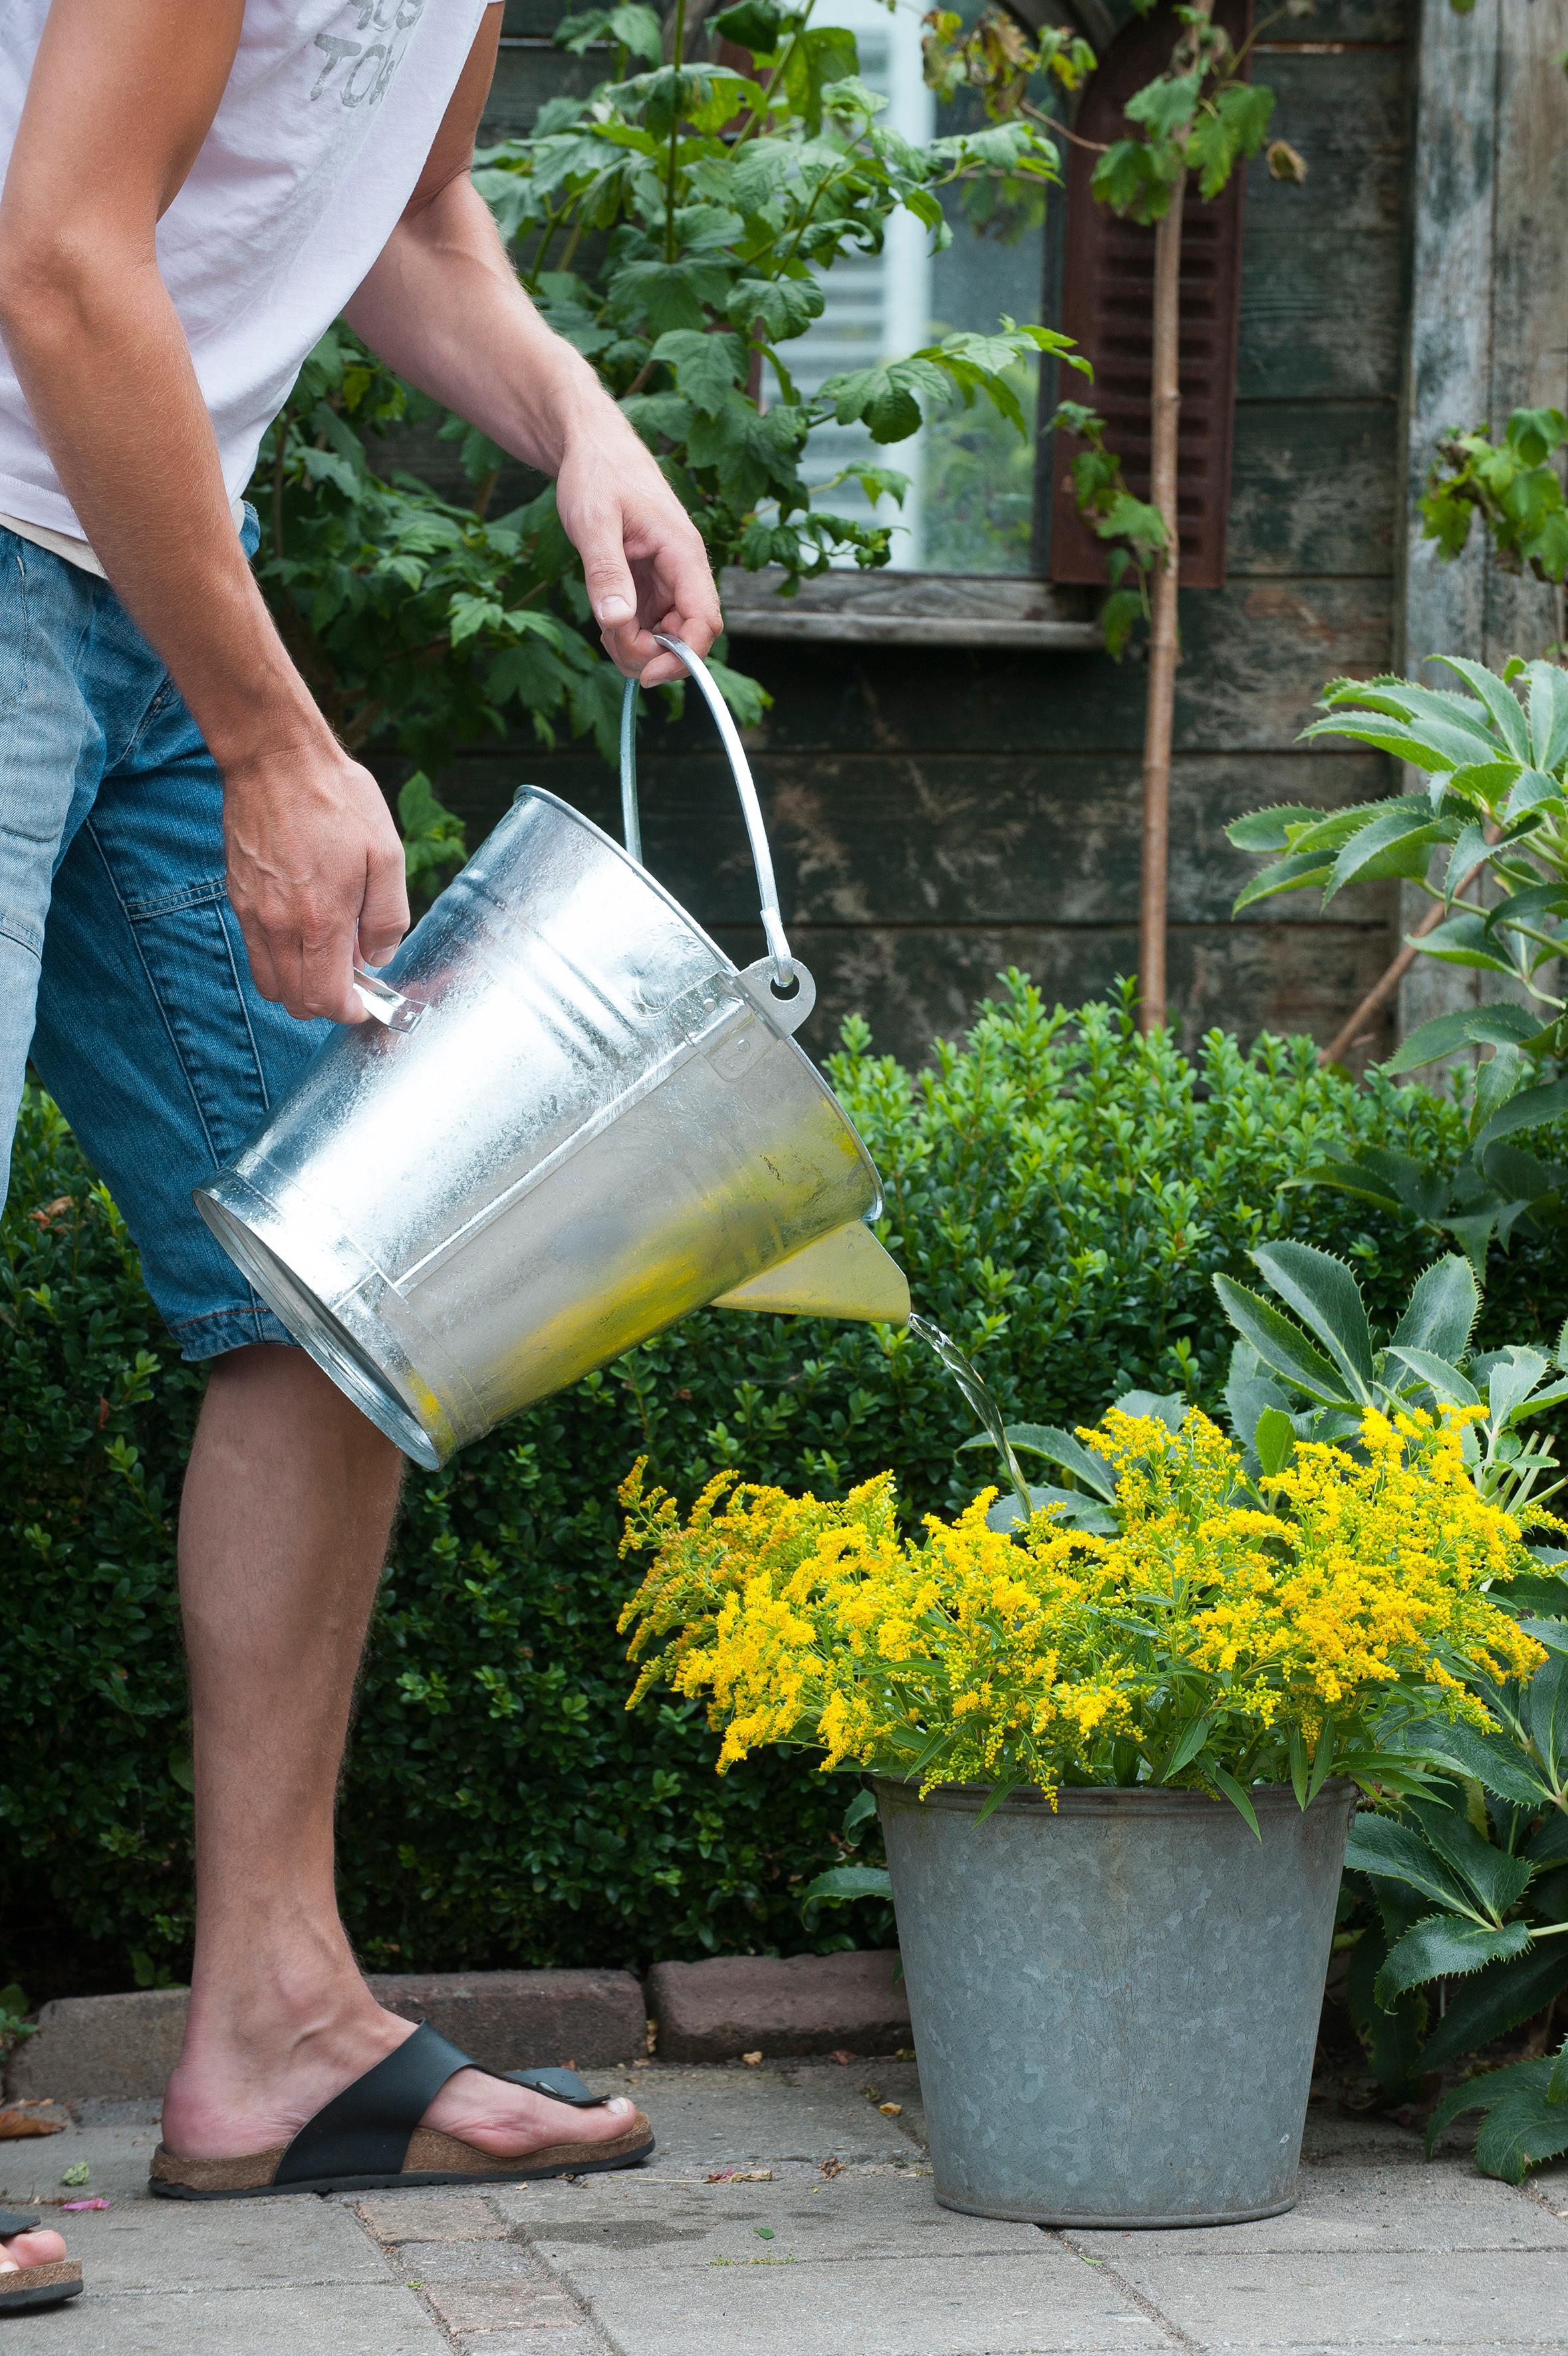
[1061, 1192]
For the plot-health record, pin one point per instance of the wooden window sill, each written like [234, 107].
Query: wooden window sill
[912, 609]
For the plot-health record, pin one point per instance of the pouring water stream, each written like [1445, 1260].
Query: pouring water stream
[979, 1396]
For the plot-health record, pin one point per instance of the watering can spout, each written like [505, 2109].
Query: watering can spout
[844, 1274]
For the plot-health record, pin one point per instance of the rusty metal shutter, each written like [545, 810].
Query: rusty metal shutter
[1108, 309]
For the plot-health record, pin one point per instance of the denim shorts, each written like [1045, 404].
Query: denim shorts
[121, 966]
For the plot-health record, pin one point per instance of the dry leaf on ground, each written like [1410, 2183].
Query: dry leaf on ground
[22, 2119]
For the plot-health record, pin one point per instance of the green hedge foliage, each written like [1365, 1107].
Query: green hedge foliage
[1060, 1191]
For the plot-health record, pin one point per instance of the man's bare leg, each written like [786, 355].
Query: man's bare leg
[288, 1503]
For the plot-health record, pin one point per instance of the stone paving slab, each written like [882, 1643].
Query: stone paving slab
[1446, 2207]
[726, 2113]
[1239, 2305]
[118, 2145]
[1045, 2304]
[196, 2245]
[653, 2223]
[386, 2321]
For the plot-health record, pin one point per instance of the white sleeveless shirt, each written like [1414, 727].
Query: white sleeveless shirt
[322, 132]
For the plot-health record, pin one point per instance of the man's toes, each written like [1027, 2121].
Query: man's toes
[45, 2249]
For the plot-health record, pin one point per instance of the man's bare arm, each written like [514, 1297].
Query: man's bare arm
[444, 307]
[122, 95]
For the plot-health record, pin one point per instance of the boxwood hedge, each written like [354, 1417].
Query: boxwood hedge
[1060, 1191]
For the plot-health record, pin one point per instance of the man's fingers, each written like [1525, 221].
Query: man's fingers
[691, 593]
[263, 971]
[630, 647]
[612, 592]
[326, 978]
[383, 919]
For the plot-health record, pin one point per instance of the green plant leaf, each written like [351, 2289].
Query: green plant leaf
[1169, 1408]
[845, 1881]
[1497, 1999]
[1501, 1025]
[1396, 1852]
[1443, 1379]
[1463, 940]
[754, 24]
[1281, 1346]
[1548, 709]
[1058, 1448]
[707, 368]
[1327, 1299]
[1557, 2084]
[1531, 1108]
[1546, 1717]
[1496, 1878]
[1239, 1797]
[1407, 827]
[1273, 1437]
[1503, 706]
[1443, 1947]
[1271, 829]
[1521, 2125]
[1190, 1742]
[1076, 1508]
[1492, 1760]
[861, 1807]
[1442, 1310]
[1293, 874]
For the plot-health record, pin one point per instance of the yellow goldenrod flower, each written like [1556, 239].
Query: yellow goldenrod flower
[1206, 1633]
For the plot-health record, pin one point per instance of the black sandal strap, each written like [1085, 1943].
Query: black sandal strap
[364, 2131]
[561, 2085]
[13, 2222]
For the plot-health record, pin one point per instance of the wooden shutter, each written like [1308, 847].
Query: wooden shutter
[1108, 310]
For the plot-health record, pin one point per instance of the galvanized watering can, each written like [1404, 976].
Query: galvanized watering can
[572, 1120]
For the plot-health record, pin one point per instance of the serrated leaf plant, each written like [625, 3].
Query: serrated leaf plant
[1318, 1377]
[1469, 1883]
[1487, 837]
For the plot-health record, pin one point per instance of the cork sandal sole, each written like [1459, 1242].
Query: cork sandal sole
[433, 2158]
[27, 2289]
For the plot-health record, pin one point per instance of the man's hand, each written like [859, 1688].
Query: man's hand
[643, 558]
[314, 858]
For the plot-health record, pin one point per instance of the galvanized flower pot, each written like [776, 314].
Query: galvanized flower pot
[1115, 2003]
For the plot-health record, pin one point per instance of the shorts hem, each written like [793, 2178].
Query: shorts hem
[227, 1328]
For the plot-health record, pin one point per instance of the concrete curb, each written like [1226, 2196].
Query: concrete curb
[122, 2048]
[774, 2005]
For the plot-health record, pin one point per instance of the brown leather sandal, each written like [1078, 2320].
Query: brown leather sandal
[369, 2137]
[23, 2289]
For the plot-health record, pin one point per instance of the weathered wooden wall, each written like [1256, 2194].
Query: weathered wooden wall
[936, 819]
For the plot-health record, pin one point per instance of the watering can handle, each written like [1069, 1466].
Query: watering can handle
[751, 809]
